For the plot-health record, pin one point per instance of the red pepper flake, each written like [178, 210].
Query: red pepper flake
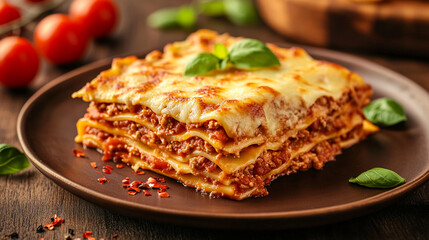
[132, 192]
[126, 182]
[87, 234]
[106, 171]
[115, 235]
[143, 185]
[159, 179]
[135, 189]
[154, 184]
[135, 183]
[110, 168]
[119, 165]
[132, 171]
[93, 164]
[139, 172]
[102, 180]
[98, 172]
[146, 192]
[56, 221]
[163, 194]
[78, 153]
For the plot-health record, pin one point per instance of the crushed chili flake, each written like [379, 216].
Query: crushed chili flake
[102, 180]
[56, 221]
[98, 172]
[87, 234]
[40, 229]
[106, 171]
[135, 183]
[110, 168]
[154, 184]
[132, 192]
[139, 172]
[163, 194]
[119, 165]
[115, 235]
[135, 189]
[78, 153]
[146, 192]
[93, 164]
[143, 185]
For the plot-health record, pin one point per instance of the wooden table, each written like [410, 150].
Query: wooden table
[29, 199]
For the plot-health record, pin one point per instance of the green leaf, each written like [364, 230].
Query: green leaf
[250, 53]
[186, 17]
[224, 63]
[220, 51]
[384, 112]
[378, 178]
[212, 8]
[241, 12]
[164, 18]
[202, 63]
[12, 160]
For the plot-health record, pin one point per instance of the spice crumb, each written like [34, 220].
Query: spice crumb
[115, 235]
[40, 229]
[102, 180]
[93, 164]
[78, 153]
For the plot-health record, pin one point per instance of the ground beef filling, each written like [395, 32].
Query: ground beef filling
[250, 177]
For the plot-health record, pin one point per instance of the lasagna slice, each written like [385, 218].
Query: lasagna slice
[228, 133]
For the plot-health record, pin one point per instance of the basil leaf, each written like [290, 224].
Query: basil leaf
[384, 112]
[202, 63]
[220, 51]
[250, 53]
[212, 8]
[12, 160]
[224, 63]
[184, 17]
[241, 12]
[378, 178]
[164, 18]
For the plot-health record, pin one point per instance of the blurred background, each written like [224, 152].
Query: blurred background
[390, 28]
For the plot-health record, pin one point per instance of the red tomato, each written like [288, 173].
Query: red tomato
[59, 39]
[19, 62]
[8, 12]
[98, 17]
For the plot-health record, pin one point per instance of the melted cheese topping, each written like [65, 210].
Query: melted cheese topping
[270, 98]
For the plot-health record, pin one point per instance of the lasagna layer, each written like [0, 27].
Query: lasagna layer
[228, 133]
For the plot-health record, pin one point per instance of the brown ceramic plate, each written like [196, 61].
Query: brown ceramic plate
[46, 129]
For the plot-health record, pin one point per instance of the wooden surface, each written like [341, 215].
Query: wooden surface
[29, 199]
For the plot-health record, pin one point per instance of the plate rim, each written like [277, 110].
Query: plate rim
[354, 206]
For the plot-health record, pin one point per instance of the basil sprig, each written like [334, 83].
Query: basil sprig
[384, 112]
[378, 178]
[12, 160]
[184, 17]
[247, 53]
[239, 12]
